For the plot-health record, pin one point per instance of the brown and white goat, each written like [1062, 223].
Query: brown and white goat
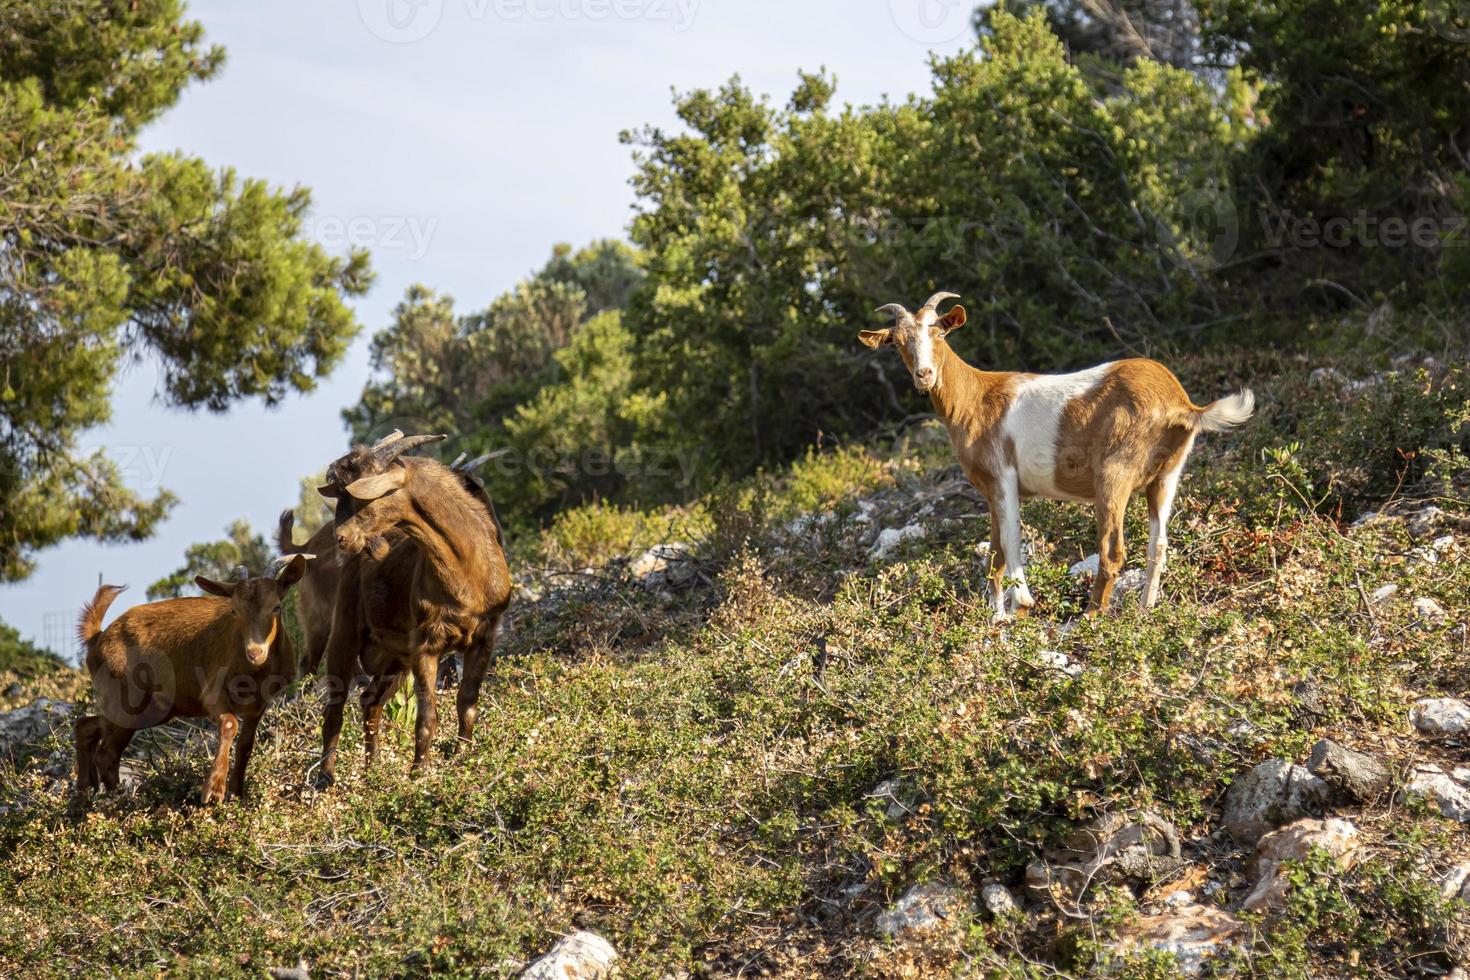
[1098, 435]
[222, 656]
[422, 574]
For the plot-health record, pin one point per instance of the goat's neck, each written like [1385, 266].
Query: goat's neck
[443, 528]
[961, 387]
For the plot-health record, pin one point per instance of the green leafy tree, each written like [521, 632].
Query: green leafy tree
[1363, 129]
[472, 375]
[106, 256]
[219, 560]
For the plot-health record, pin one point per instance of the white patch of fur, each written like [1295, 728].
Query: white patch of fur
[924, 353]
[1158, 529]
[1228, 412]
[1035, 418]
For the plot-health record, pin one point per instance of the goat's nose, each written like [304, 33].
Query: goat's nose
[925, 377]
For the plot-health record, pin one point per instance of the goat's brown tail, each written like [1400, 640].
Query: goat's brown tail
[284, 527]
[90, 623]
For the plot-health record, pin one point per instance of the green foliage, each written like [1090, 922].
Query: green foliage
[106, 255]
[22, 657]
[693, 775]
[1363, 124]
[543, 370]
[218, 560]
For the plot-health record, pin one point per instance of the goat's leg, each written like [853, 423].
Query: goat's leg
[1110, 550]
[995, 572]
[1008, 516]
[375, 696]
[477, 661]
[114, 743]
[243, 747]
[89, 734]
[214, 786]
[1160, 505]
[425, 690]
[343, 647]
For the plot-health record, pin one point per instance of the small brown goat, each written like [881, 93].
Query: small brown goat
[317, 595]
[422, 574]
[223, 656]
[1099, 435]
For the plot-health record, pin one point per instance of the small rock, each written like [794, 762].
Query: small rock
[27, 727]
[922, 909]
[1141, 848]
[580, 956]
[1440, 716]
[1085, 567]
[1429, 613]
[892, 537]
[1456, 883]
[998, 900]
[297, 972]
[1434, 784]
[1057, 660]
[1131, 580]
[1339, 838]
[1356, 775]
[1192, 934]
[889, 791]
[1325, 376]
[1443, 543]
[1383, 593]
[664, 566]
[1423, 523]
[13, 691]
[1270, 795]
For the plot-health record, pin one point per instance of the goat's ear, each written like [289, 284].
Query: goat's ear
[373, 487]
[329, 491]
[214, 588]
[291, 574]
[952, 320]
[876, 338]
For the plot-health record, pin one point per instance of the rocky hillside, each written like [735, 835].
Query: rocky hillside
[774, 733]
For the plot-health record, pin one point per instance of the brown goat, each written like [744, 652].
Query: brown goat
[316, 598]
[223, 658]
[422, 574]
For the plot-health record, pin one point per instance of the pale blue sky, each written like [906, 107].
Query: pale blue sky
[459, 140]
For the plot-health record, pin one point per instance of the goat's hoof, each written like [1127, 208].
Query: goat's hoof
[1004, 619]
[324, 781]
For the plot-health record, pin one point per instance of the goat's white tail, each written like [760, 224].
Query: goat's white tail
[1226, 413]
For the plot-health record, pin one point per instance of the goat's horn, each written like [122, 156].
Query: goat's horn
[480, 461]
[241, 573]
[938, 298]
[388, 440]
[893, 308]
[457, 460]
[398, 447]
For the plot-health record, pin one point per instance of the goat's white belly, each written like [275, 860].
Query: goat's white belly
[1033, 424]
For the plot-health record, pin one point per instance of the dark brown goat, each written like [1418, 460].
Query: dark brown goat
[222, 657]
[317, 596]
[422, 574]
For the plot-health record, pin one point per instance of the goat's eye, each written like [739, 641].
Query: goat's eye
[278, 609]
